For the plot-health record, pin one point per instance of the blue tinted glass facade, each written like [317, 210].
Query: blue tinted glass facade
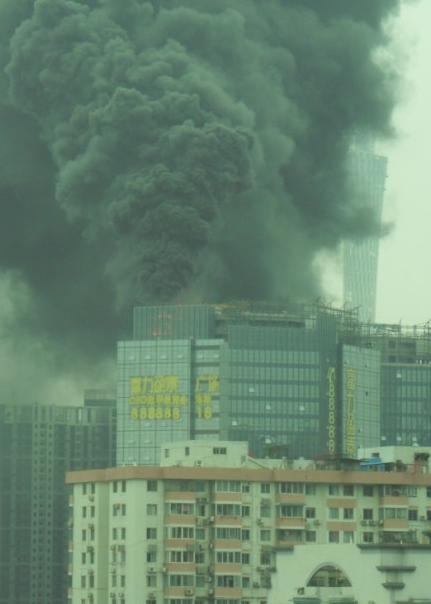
[406, 404]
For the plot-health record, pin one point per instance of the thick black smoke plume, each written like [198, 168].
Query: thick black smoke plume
[153, 150]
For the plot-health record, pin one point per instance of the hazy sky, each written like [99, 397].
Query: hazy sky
[404, 280]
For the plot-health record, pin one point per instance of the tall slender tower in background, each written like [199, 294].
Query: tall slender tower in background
[360, 259]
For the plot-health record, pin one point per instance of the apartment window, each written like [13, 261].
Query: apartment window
[151, 532]
[227, 580]
[334, 513]
[181, 580]
[228, 557]
[245, 582]
[245, 558]
[152, 580]
[151, 509]
[310, 536]
[245, 487]
[291, 487]
[84, 489]
[367, 514]
[219, 450]
[245, 535]
[348, 537]
[368, 537]
[200, 534]
[123, 486]
[348, 490]
[200, 580]
[428, 491]
[348, 513]
[181, 509]
[412, 514]
[227, 509]
[151, 555]
[265, 487]
[152, 485]
[83, 581]
[334, 537]
[180, 532]
[123, 533]
[181, 556]
[265, 558]
[92, 511]
[115, 486]
[84, 535]
[399, 513]
[367, 491]
[265, 535]
[114, 534]
[291, 511]
[265, 510]
[187, 451]
[83, 558]
[92, 488]
[245, 511]
[114, 580]
[200, 509]
[84, 512]
[334, 489]
[310, 512]
[310, 489]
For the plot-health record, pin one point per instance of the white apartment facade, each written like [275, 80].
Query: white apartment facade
[210, 524]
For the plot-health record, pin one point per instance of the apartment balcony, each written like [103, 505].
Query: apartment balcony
[297, 522]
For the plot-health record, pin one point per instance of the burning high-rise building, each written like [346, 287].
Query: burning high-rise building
[291, 378]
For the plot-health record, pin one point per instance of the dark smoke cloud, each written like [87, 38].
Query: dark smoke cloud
[159, 150]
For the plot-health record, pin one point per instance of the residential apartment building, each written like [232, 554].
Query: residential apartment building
[38, 444]
[210, 523]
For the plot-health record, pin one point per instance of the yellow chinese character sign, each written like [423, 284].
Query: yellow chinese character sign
[350, 437]
[331, 377]
[206, 388]
[156, 397]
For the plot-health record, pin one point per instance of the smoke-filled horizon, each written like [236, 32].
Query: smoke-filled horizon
[179, 149]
